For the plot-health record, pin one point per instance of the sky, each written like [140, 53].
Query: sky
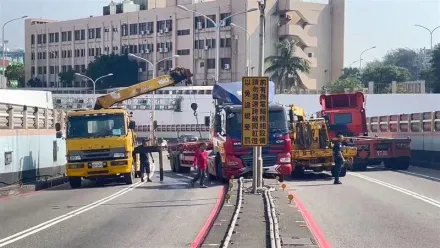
[386, 24]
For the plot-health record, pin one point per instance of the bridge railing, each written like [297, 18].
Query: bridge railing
[408, 123]
[28, 117]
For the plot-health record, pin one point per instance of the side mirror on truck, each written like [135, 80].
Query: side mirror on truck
[207, 121]
[132, 125]
[218, 123]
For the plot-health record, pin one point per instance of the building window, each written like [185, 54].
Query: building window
[77, 68]
[51, 38]
[183, 32]
[142, 27]
[210, 43]
[69, 36]
[225, 42]
[32, 56]
[209, 24]
[40, 70]
[44, 55]
[183, 52]
[91, 33]
[63, 68]
[83, 52]
[52, 70]
[97, 51]
[98, 33]
[69, 53]
[211, 63]
[199, 44]
[124, 30]
[44, 38]
[32, 39]
[91, 52]
[165, 65]
[57, 37]
[83, 34]
[83, 68]
[133, 48]
[310, 55]
[228, 21]
[225, 63]
[44, 70]
[199, 22]
[33, 70]
[150, 27]
[77, 34]
[133, 29]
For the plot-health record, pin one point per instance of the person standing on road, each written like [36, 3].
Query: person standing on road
[201, 162]
[338, 157]
[144, 150]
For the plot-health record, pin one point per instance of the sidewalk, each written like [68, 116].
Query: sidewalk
[34, 186]
[252, 226]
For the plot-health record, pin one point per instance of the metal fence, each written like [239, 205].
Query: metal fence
[26, 117]
[410, 87]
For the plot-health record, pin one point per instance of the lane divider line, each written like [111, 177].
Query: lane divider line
[49, 223]
[399, 189]
[203, 233]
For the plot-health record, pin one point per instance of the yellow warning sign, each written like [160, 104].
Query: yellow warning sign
[255, 112]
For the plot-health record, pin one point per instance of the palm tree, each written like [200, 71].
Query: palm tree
[286, 65]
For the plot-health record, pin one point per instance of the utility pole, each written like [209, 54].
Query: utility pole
[262, 8]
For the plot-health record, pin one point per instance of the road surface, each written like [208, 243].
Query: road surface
[375, 208]
[167, 214]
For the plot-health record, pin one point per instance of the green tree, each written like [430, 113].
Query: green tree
[286, 66]
[340, 85]
[433, 74]
[15, 72]
[406, 58]
[125, 71]
[350, 72]
[385, 74]
[67, 78]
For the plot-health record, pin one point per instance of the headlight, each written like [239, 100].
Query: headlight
[284, 160]
[120, 155]
[74, 158]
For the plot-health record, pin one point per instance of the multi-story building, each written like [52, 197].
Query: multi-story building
[164, 30]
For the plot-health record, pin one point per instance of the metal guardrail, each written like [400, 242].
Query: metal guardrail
[28, 117]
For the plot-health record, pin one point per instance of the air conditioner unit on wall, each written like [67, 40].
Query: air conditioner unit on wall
[161, 31]
[148, 32]
[147, 51]
[142, 32]
[206, 47]
[199, 25]
[227, 66]
[167, 30]
[161, 50]
[165, 50]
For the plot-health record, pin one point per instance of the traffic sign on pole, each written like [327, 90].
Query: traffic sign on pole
[255, 111]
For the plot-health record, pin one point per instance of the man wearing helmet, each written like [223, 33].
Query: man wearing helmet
[143, 150]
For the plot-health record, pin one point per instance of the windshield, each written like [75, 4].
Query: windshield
[95, 126]
[343, 118]
[277, 122]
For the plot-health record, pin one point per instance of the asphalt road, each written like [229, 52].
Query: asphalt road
[168, 214]
[376, 208]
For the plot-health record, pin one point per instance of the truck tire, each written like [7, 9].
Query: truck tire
[404, 163]
[129, 177]
[343, 172]
[219, 169]
[281, 178]
[75, 182]
[359, 166]
[298, 172]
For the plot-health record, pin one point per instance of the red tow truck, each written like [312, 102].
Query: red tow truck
[345, 114]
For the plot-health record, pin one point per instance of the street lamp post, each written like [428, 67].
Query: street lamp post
[431, 32]
[94, 81]
[153, 104]
[249, 47]
[354, 62]
[217, 40]
[3, 41]
[360, 56]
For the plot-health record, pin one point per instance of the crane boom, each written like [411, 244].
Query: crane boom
[176, 76]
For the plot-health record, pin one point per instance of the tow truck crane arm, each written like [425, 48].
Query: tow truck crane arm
[176, 76]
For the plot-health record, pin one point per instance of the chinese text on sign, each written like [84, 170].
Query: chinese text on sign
[255, 100]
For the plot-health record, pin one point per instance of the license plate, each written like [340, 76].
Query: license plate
[382, 153]
[97, 164]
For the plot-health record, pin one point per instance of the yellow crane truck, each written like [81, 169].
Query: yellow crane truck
[311, 145]
[100, 141]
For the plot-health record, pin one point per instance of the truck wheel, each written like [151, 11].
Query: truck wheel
[401, 163]
[219, 171]
[129, 177]
[404, 163]
[343, 172]
[281, 178]
[359, 166]
[75, 182]
[298, 172]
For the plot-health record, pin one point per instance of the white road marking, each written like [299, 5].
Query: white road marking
[23, 234]
[399, 189]
[420, 175]
[185, 176]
